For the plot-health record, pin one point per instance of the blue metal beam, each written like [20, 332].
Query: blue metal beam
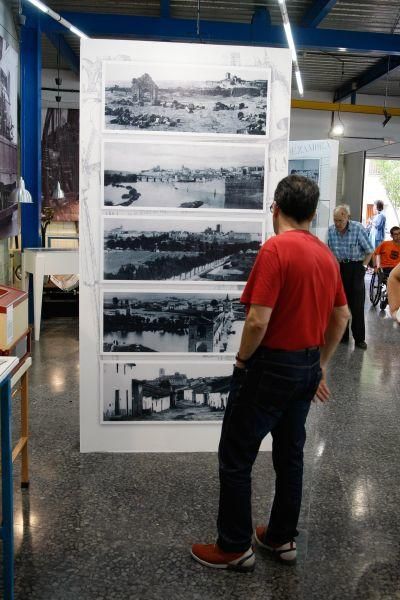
[317, 12]
[168, 29]
[380, 69]
[164, 6]
[31, 118]
[66, 51]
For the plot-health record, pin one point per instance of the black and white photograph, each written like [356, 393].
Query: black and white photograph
[184, 176]
[144, 249]
[164, 391]
[307, 167]
[186, 98]
[8, 139]
[172, 322]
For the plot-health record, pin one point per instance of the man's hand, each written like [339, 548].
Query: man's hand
[323, 392]
[240, 365]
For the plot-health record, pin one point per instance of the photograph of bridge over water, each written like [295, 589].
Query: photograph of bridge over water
[162, 391]
[186, 98]
[188, 250]
[172, 322]
[180, 175]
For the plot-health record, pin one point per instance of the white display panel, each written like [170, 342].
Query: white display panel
[198, 144]
[318, 160]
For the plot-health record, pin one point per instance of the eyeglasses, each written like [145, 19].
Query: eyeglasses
[272, 206]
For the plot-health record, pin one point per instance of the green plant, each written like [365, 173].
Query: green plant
[389, 174]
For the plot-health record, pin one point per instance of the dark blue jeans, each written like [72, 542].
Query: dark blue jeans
[272, 395]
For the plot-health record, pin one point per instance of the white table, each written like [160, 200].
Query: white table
[46, 261]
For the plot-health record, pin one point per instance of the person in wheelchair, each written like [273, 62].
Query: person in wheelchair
[387, 254]
[385, 258]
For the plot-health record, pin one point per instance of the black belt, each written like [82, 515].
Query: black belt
[265, 349]
[347, 260]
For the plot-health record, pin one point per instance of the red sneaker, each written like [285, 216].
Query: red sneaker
[286, 553]
[212, 556]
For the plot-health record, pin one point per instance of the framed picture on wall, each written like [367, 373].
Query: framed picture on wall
[185, 251]
[183, 176]
[162, 391]
[171, 322]
[182, 98]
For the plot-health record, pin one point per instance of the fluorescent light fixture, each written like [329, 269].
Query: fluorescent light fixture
[299, 82]
[49, 11]
[39, 5]
[290, 40]
[78, 32]
[342, 49]
[291, 44]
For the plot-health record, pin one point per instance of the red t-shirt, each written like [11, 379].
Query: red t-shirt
[297, 276]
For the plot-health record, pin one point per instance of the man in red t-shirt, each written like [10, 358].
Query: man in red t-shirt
[296, 315]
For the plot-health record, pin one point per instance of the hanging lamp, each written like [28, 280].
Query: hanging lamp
[21, 194]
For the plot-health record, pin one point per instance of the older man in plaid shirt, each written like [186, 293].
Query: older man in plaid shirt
[352, 247]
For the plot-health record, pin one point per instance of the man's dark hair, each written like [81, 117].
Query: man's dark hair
[297, 197]
[379, 204]
[394, 229]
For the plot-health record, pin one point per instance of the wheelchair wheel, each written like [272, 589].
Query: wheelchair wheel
[375, 289]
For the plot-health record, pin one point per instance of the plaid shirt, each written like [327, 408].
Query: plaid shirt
[354, 244]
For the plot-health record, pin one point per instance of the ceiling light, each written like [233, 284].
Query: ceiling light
[342, 49]
[337, 130]
[39, 5]
[291, 44]
[78, 32]
[58, 193]
[299, 82]
[54, 15]
[20, 193]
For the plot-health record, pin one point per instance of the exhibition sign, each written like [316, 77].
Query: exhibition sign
[182, 146]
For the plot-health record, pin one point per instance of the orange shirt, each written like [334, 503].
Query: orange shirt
[389, 253]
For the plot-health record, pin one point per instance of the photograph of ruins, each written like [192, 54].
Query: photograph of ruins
[172, 322]
[186, 98]
[308, 167]
[191, 250]
[165, 392]
[185, 176]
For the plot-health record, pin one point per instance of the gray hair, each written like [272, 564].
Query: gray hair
[342, 209]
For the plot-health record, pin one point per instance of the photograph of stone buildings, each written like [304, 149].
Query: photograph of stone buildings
[165, 392]
[182, 175]
[189, 250]
[176, 322]
[186, 98]
[308, 167]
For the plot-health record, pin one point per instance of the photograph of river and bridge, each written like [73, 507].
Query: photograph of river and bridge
[181, 175]
[175, 322]
[186, 98]
[164, 391]
[144, 249]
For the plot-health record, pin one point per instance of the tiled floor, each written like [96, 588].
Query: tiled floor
[118, 527]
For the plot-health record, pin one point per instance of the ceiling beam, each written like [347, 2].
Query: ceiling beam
[221, 32]
[164, 9]
[362, 109]
[380, 69]
[58, 41]
[317, 12]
